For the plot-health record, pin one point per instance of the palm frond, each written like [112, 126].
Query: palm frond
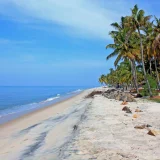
[112, 46]
[117, 60]
[112, 54]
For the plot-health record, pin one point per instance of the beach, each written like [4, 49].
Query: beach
[81, 128]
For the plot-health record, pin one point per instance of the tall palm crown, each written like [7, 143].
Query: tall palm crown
[137, 19]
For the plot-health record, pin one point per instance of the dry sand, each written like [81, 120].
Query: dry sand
[83, 129]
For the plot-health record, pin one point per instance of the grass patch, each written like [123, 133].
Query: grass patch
[155, 99]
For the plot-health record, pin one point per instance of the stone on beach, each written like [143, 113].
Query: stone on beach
[127, 109]
[124, 103]
[153, 133]
[140, 127]
[138, 110]
[92, 94]
[135, 116]
[118, 95]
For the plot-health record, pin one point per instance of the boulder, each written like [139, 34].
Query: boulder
[92, 94]
[119, 95]
[153, 133]
[138, 96]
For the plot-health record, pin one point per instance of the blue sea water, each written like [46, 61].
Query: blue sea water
[14, 100]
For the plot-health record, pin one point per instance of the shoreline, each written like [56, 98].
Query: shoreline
[12, 117]
[42, 109]
[48, 128]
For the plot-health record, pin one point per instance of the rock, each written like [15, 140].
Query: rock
[129, 98]
[126, 109]
[135, 116]
[124, 103]
[152, 133]
[138, 96]
[75, 127]
[140, 127]
[129, 111]
[92, 94]
[118, 95]
[148, 125]
[138, 110]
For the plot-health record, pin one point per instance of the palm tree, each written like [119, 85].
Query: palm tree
[148, 42]
[156, 47]
[102, 79]
[124, 50]
[138, 20]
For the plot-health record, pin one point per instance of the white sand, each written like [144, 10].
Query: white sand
[108, 133]
[104, 132]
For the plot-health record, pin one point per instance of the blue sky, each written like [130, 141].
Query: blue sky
[59, 42]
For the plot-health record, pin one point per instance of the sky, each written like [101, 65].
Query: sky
[59, 42]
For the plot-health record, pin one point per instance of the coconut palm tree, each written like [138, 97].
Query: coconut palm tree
[138, 20]
[102, 79]
[156, 47]
[125, 50]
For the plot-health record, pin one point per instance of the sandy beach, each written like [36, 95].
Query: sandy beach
[83, 129]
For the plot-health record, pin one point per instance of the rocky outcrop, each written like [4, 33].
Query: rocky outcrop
[92, 94]
[118, 95]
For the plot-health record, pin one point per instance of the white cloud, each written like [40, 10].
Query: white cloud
[79, 17]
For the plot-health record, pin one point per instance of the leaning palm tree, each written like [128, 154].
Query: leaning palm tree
[138, 20]
[125, 50]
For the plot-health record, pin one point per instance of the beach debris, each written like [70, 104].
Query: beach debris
[127, 109]
[138, 110]
[148, 125]
[153, 133]
[140, 127]
[92, 94]
[135, 116]
[124, 103]
[118, 95]
[75, 127]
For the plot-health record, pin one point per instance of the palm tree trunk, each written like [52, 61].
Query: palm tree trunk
[144, 70]
[158, 80]
[150, 66]
[134, 75]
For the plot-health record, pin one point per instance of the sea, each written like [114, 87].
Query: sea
[17, 101]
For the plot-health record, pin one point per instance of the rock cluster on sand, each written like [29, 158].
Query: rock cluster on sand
[118, 95]
[92, 94]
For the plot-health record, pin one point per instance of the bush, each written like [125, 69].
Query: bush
[153, 85]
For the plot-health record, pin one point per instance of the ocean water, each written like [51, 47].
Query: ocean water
[15, 101]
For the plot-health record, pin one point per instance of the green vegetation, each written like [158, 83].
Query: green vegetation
[137, 49]
[155, 100]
